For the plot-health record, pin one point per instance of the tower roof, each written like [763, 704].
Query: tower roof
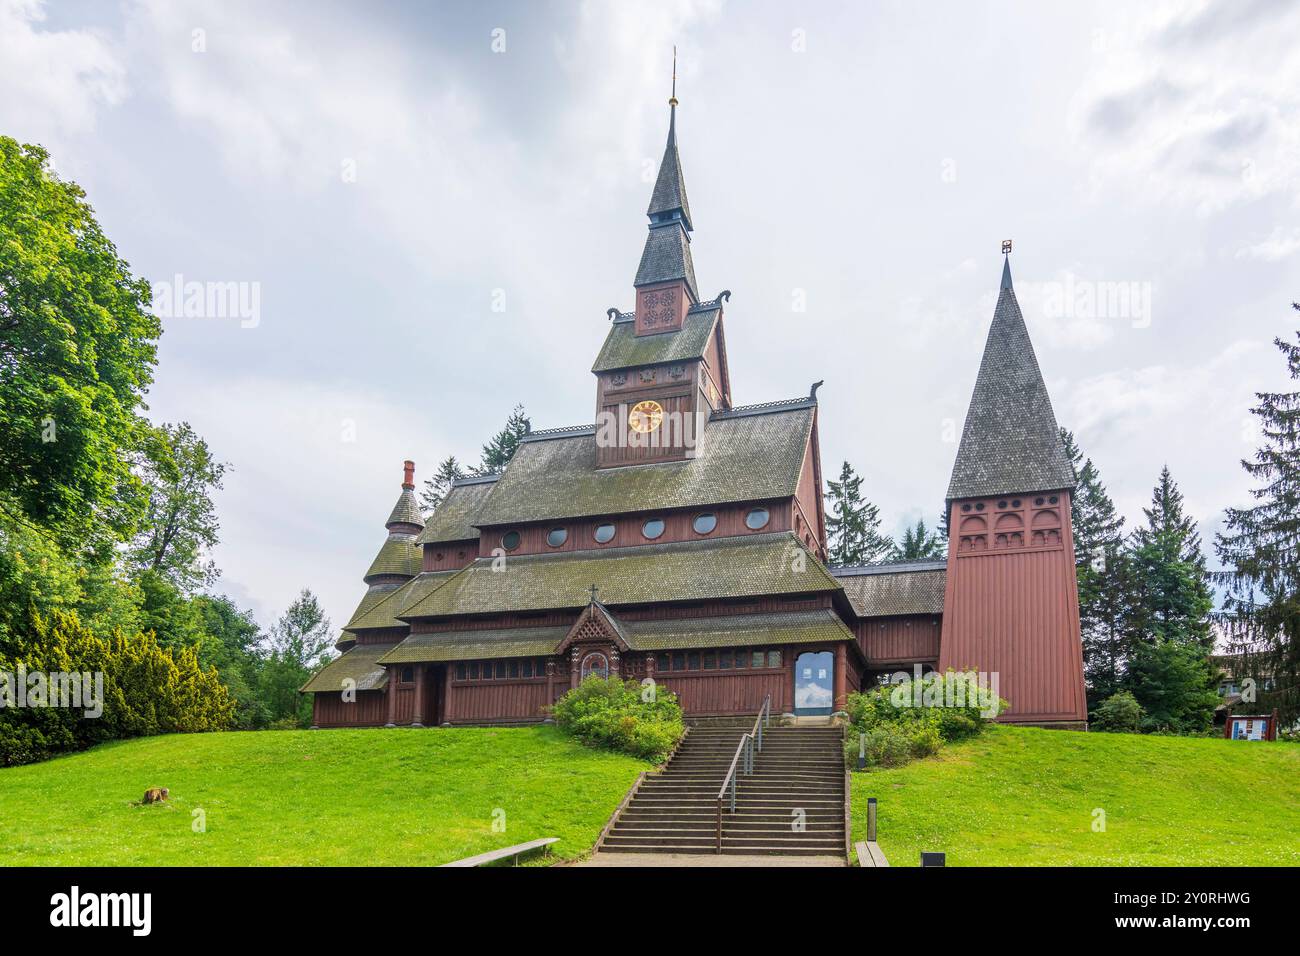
[667, 254]
[1010, 443]
[407, 509]
[669, 197]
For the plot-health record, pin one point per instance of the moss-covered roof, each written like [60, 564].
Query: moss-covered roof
[399, 555]
[742, 630]
[751, 566]
[375, 594]
[742, 456]
[453, 520]
[383, 613]
[361, 664]
[884, 590]
[407, 510]
[477, 645]
[623, 348]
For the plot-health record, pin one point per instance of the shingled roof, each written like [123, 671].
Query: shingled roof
[738, 567]
[407, 510]
[1010, 442]
[361, 664]
[453, 519]
[384, 613]
[477, 645]
[667, 256]
[740, 630]
[743, 455]
[669, 195]
[623, 348]
[399, 555]
[905, 587]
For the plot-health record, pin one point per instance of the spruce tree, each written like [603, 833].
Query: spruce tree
[1260, 548]
[501, 448]
[852, 523]
[436, 488]
[1102, 572]
[1167, 618]
[918, 543]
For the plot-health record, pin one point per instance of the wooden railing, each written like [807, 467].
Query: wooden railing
[742, 762]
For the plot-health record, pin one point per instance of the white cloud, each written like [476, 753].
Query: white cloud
[1278, 245]
[1173, 110]
[53, 82]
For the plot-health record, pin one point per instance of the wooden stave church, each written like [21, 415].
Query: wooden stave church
[695, 557]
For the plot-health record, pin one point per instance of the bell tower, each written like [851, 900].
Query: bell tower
[663, 368]
[665, 279]
[1011, 605]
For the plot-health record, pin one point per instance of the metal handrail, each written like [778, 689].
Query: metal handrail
[745, 749]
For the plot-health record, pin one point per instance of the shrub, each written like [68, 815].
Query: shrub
[147, 689]
[610, 713]
[1119, 713]
[916, 718]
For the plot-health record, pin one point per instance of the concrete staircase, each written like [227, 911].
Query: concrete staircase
[799, 775]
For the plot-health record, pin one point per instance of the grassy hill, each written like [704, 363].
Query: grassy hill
[1026, 797]
[356, 797]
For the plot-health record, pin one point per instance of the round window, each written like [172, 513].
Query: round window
[604, 533]
[653, 528]
[756, 519]
[704, 524]
[557, 536]
[510, 540]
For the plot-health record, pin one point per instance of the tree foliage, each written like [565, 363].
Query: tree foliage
[180, 524]
[1260, 549]
[77, 349]
[1102, 571]
[853, 523]
[436, 488]
[919, 543]
[298, 645]
[500, 448]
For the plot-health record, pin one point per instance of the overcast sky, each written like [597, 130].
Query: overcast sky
[436, 205]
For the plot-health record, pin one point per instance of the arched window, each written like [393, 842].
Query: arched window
[595, 665]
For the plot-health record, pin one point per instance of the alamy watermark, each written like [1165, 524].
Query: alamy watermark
[71, 691]
[649, 427]
[952, 689]
[179, 298]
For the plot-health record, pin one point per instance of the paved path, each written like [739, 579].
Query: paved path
[706, 860]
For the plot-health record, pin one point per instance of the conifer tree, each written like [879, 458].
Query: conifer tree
[436, 488]
[1167, 621]
[1260, 548]
[919, 543]
[501, 448]
[1101, 568]
[852, 523]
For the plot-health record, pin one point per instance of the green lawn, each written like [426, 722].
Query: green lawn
[355, 797]
[1026, 797]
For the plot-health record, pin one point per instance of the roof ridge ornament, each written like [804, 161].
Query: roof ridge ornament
[1006, 265]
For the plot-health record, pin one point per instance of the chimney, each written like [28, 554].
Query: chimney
[408, 475]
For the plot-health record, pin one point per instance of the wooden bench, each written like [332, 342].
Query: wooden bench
[511, 851]
[870, 854]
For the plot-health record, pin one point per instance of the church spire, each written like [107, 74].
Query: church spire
[1010, 443]
[665, 278]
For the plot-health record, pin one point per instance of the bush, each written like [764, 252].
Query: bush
[915, 719]
[147, 689]
[1119, 713]
[610, 713]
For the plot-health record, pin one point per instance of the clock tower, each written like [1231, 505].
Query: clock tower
[662, 370]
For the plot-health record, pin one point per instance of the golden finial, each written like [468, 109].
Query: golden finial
[672, 100]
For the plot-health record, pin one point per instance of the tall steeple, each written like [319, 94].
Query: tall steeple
[665, 279]
[1010, 443]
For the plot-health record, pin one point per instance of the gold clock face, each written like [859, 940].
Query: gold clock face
[645, 416]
